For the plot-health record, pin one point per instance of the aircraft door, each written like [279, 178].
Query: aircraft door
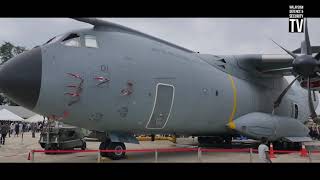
[162, 106]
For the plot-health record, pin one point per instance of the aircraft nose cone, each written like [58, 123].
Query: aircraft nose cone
[20, 78]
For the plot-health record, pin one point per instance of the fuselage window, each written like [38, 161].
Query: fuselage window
[90, 41]
[296, 111]
[72, 40]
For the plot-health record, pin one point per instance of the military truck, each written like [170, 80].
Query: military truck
[62, 138]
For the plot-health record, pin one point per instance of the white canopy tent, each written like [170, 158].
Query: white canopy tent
[34, 119]
[6, 115]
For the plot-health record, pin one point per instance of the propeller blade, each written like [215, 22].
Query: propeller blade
[306, 40]
[279, 99]
[289, 52]
[311, 107]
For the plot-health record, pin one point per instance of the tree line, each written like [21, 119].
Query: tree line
[8, 51]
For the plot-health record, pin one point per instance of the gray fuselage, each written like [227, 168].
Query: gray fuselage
[199, 98]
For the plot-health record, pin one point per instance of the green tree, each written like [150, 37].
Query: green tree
[8, 51]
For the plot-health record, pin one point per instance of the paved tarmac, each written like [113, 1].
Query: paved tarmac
[17, 150]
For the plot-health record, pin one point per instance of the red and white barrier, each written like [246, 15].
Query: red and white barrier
[156, 151]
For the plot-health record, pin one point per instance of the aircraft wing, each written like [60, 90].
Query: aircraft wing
[267, 64]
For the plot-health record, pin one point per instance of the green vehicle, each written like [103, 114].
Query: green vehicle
[62, 138]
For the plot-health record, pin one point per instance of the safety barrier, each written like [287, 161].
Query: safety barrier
[156, 152]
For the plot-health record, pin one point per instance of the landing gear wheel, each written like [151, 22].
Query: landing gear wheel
[210, 140]
[297, 146]
[117, 146]
[206, 140]
[201, 140]
[228, 140]
[103, 146]
[84, 146]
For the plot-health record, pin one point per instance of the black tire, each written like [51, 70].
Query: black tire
[47, 147]
[228, 140]
[286, 145]
[117, 146]
[202, 140]
[218, 140]
[84, 146]
[43, 145]
[51, 147]
[103, 146]
[297, 146]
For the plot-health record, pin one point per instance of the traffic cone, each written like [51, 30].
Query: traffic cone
[303, 151]
[271, 152]
[29, 157]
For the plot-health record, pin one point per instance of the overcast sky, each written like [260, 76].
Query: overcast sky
[206, 35]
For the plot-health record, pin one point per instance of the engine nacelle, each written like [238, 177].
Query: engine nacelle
[256, 125]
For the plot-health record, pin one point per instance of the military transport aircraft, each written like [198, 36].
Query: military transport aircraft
[122, 82]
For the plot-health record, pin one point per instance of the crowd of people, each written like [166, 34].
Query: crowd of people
[314, 132]
[14, 129]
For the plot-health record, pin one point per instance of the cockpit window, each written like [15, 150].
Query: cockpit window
[72, 40]
[54, 39]
[50, 40]
[90, 41]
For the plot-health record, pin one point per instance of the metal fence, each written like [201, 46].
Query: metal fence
[249, 153]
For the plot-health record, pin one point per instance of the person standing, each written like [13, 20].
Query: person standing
[3, 132]
[28, 127]
[16, 129]
[24, 127]
[8, 128]
[33, 130]
[11, 129]
[40, 127]
[263, 151]
[21, 129]
[318, 132]
[37, 127]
